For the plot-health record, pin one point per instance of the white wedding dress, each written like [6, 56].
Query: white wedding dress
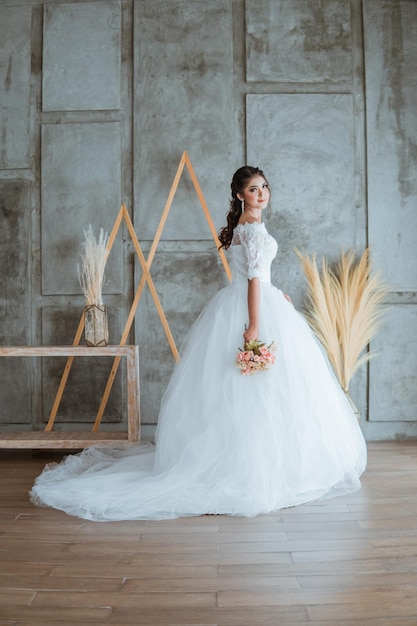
[227, 443]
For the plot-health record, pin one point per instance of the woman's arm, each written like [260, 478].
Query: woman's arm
[252, 332]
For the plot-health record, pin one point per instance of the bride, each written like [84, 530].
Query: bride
[227, 443]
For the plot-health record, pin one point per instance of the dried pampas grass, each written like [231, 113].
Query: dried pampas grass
[93, 261]
[344, 308]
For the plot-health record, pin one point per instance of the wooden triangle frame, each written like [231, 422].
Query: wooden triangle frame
[145, 278]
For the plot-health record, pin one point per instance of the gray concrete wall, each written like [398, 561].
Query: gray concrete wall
[98, 101]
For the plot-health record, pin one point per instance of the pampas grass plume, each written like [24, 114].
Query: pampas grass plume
[344, 308]
[93, 261]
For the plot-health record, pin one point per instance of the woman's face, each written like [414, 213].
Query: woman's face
[256, 194]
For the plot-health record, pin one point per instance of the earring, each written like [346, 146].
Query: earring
[242, 205]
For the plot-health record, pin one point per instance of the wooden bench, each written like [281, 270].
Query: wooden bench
[79, 439]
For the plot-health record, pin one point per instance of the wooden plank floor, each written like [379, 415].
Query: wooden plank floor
[347, 561]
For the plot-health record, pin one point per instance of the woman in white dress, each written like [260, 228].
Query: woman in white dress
[227, 443]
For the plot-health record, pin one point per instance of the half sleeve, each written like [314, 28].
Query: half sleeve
[252, 241]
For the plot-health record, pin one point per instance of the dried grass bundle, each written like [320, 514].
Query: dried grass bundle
[344, 308]
[93, 261]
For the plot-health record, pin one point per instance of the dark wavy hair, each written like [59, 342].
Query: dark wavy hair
[239, 181]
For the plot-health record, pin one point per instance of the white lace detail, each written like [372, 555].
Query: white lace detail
[259, 248]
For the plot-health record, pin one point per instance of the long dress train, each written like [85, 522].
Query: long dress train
[227, 443]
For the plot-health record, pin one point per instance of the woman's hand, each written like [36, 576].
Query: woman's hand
[251, 333]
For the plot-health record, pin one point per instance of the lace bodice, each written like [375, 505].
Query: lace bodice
[253, 250]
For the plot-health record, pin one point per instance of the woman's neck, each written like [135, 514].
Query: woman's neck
[251, 215]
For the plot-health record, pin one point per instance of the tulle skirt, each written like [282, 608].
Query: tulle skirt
[225, 443]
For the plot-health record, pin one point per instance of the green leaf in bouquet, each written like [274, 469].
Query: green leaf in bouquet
[254, 346]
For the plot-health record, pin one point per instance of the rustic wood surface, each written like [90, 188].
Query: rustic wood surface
[348, 561]
[66, 440]
[109, 351]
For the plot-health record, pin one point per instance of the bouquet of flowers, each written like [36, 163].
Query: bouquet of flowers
[255, 357]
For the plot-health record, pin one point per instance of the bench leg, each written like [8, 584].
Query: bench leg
[133, 394]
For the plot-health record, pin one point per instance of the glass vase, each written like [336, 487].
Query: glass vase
[96, 327]
[353, 405]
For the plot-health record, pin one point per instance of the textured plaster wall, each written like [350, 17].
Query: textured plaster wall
[98, 101]
[391, 90]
